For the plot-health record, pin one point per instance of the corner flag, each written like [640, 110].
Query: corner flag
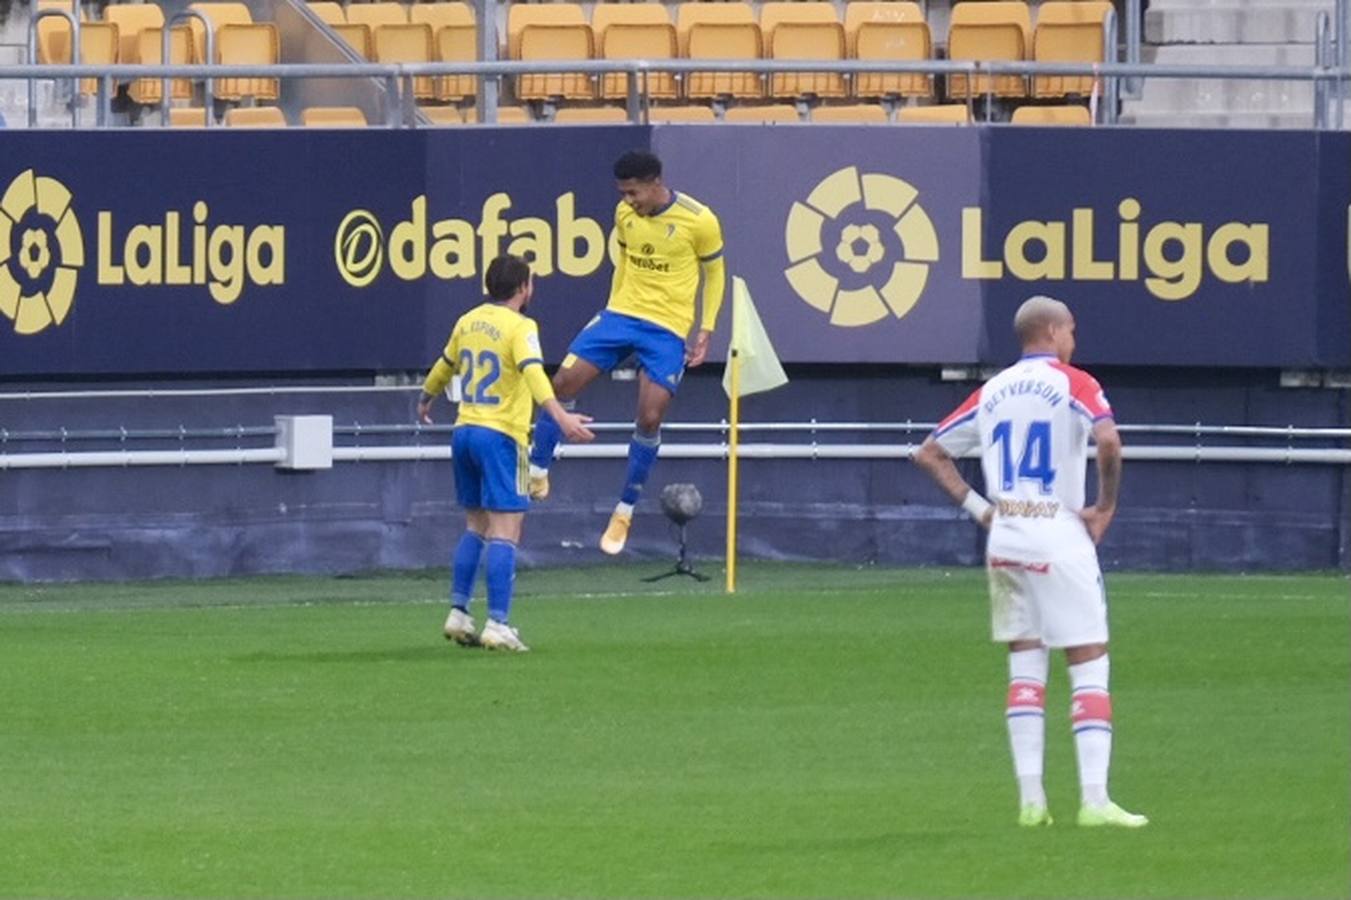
[752, 367]
[750, 348]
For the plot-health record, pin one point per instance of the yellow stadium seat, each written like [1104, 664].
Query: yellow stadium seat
[149, 51]
[220, 15]
[725, 40]
[1067, 32]
[131, 19]
[99, 45]
[357, 36]
[456, 43]
[333, 117]
[635, 31]
[865, 113]
[407, 43]
[774, 112]
[521, 15]
[1051, 115]
[441, 15]
[591, 115]
[506, 115]
[897, 31]
[187, 117]
[807, 29]
[442, 115]
[255, 117]
[556, 42]
[945, 113]
[54, 33]
[377, 14]
[661, 115]
[329, 13]
[989, 31]
[697, 13]
[247, 45]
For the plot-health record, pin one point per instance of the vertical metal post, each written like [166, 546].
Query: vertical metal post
[1111, 84]
[393, 106]
[633, 103]
[486, 96]
[1134, 24]
[103, 111]
[74, 23]
[1322, 52]
[1343, 57]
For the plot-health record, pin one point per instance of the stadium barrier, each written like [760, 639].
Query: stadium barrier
[402, 110]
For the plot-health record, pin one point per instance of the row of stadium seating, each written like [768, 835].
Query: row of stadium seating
[446, 31]
[881, 30]
[352, 117]
[133, 33]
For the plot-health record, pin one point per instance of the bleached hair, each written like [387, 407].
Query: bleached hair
[1036, 315]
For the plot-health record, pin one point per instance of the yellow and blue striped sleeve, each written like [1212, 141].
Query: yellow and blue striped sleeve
[529, 359]
[708, 244]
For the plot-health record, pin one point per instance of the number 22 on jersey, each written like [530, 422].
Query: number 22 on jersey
[477, 376]
[1034, 461]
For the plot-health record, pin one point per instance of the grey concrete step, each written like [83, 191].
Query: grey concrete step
[1171, 95]
[1233, 21]
[1218, 119]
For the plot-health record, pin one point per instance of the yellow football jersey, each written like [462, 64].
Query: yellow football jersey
[490, 350]
[660, 257]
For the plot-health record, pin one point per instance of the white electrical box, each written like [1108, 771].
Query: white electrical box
[306, 442]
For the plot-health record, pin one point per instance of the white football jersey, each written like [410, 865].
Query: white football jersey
[1032, 423]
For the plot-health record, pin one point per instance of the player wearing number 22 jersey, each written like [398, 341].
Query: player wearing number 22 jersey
[494, 353]
[1031, 424]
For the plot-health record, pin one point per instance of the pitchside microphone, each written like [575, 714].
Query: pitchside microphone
[681, 503]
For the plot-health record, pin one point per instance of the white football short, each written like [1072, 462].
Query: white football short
[1062, 603]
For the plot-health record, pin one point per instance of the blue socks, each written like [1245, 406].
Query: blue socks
[464, 568]
[501, 577]
[547, 436]
[642, 454]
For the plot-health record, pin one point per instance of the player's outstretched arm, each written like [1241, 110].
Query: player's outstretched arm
[1099, 516]
[573, 425]
[934, 460]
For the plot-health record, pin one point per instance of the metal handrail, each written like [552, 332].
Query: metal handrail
[208, 88]
[1290, 434]
[402, 73]
[73, 18]
[638, 66]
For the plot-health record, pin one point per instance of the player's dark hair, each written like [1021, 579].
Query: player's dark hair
[506, 275]
[637, 164]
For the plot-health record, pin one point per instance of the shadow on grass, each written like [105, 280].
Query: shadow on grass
[417, 654]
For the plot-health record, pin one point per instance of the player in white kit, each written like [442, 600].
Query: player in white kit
[1031, 424]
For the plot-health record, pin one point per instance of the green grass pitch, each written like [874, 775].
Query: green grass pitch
[829, 732]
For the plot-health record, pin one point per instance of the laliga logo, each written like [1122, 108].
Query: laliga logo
[41, 249]
[862, 291]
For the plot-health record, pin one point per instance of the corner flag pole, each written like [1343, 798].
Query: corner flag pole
[733, 441]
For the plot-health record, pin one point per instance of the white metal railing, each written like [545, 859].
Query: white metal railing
[812, 449]
[397, 77]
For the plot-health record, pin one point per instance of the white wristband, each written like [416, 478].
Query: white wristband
[975, 505]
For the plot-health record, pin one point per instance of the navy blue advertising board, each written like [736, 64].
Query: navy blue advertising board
[145, 253]
[1173, 247]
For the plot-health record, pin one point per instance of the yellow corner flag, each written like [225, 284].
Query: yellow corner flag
[750, 349]
[752, 367]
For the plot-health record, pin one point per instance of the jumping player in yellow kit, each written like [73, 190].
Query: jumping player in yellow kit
[669, 242]
[494, 351]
